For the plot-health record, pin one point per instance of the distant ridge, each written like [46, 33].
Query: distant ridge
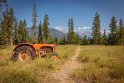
[53, 32]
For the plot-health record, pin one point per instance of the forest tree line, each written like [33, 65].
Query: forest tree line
[13, 32]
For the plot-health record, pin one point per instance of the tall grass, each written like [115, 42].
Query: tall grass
[35, 71]
[66, 51]
[101, 64]
[17, 75]
[6, 52]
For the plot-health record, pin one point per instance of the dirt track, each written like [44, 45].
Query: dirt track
[63, 75]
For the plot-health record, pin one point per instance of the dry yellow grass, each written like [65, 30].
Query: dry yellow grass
[101, 64]
[35, 71]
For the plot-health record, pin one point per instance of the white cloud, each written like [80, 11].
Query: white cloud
[60, 28]
[82, 28]
[79, 30]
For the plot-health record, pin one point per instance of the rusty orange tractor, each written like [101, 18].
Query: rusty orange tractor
[24, 52]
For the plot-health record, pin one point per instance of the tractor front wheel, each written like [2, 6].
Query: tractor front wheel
[24, 53]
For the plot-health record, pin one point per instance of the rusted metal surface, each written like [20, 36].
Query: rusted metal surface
[30, 51]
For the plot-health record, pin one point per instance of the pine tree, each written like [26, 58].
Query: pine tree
[96, 29]
[1, 4]
[77, 39]
[121, 32]
[64, 41]
[20, 31]
[40, 37]
[85, 40]
[7, 27]
[46, 29]
[104, 37]
[2, 1]
[24, 32]
[71, 33]
[12, 20]
[15, 34]
[113, 36]
[1, 33]
[34, 21]
[56, 40]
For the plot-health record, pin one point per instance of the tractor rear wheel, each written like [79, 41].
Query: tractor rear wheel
[24, 53]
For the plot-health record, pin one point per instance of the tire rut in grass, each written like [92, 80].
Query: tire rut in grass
[63, 75]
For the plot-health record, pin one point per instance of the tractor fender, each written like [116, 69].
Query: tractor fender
[22, 45]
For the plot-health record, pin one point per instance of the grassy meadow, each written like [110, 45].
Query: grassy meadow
[100, 64]
[34, 71]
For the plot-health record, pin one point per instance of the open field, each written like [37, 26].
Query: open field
[100, 64]
[35, 71]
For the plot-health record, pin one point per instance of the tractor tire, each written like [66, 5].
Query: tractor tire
[24, 53]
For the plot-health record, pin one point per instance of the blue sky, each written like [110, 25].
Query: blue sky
[59, 11]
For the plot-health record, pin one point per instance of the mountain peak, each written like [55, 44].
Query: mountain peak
[53, 32]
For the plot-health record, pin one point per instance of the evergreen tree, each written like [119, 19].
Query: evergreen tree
[104, 37]
[64, 41]
[71, 33]
[12, 20]
[121, 32]
[46, 29]
[1, 33]
[15, 34]
[90, 40]
[51, 40]
[77, 39]
[34, 20]
[40, 38]
[7, 27]
[1, 3]
[22, 32]
[113, 36]
[96, 29]
[56, 39]
[85, 40]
